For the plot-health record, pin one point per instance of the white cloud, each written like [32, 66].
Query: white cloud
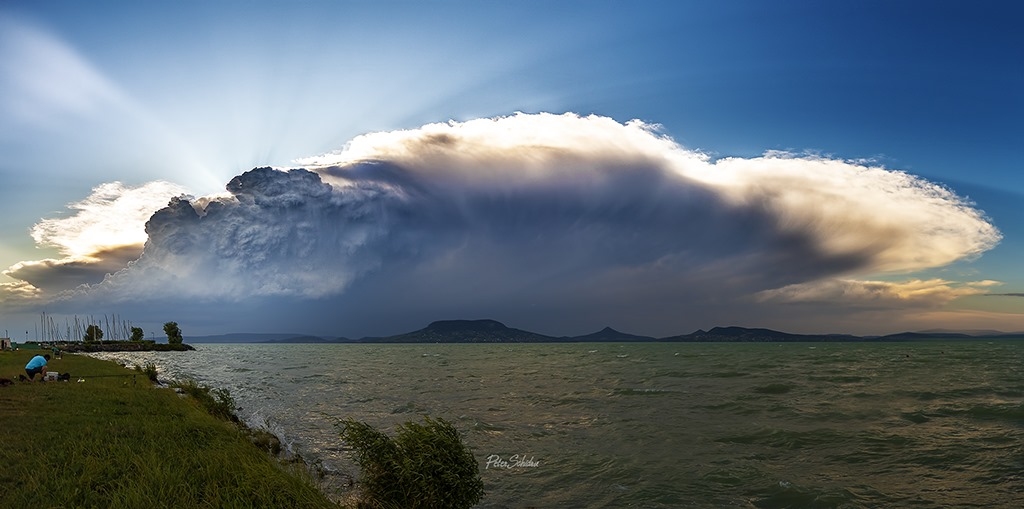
[896, 220]
[114, 215]
[278, 233]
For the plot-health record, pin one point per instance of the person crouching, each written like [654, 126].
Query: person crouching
[37, 365]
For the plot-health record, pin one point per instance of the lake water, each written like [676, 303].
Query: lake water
[656, 425]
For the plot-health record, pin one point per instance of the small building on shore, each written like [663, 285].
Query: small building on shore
[5, 344]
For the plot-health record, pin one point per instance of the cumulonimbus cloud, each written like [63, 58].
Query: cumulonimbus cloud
[586, 190]
[891, 220]
[530, 209]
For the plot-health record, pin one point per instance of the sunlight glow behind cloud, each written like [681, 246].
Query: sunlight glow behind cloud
[114, 215]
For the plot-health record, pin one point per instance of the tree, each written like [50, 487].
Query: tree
[137, 334]
[173, 333]
[93, 333]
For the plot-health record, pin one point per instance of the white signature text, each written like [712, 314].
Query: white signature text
[514, 461]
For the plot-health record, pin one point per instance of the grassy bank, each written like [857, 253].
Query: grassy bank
[114, 441]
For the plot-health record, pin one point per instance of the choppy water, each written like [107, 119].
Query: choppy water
[925, 425]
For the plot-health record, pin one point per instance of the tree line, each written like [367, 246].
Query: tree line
[95, 333]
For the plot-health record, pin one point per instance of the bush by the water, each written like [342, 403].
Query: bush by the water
[218, 402]
[149, 371]
[427, 466]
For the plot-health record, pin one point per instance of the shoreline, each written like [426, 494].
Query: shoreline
[119, 442]
[147, 345]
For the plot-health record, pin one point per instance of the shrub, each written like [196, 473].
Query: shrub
[427, 466]
[218, 402]
[265, 440]
[149, 371]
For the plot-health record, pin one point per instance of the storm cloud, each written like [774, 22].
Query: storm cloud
[59, 274]
[580, 221]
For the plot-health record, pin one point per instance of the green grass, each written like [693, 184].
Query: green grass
[114, 441]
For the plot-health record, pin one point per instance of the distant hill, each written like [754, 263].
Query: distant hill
[746, 335]
[493, 331]
[608, 334]
[468, 331]
[925, 336]
[918, 336]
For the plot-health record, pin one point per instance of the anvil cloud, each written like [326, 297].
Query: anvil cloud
[568, 219]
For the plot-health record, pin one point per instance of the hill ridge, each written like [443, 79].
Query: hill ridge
[488, 330]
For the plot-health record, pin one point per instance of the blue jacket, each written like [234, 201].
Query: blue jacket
[36, 362]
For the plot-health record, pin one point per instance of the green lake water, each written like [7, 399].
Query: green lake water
[661, 425]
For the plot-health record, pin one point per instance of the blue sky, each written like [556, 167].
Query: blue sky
[182, 97]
